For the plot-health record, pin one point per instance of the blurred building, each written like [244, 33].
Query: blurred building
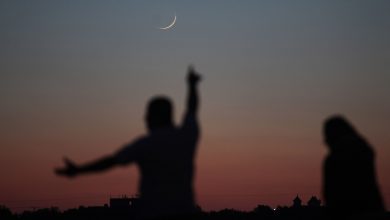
[123, 202]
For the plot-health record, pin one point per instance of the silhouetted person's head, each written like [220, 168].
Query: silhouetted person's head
[159, 113]
[337, 128]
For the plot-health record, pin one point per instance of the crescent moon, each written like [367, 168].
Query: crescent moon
[171, 25]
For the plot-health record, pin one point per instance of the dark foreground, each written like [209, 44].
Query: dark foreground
[261, 212]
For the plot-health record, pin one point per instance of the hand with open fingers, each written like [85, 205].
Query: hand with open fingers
[70, 169]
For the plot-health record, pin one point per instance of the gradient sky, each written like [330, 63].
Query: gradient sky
[75, 77]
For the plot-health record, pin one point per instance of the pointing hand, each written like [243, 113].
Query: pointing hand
[193, 77]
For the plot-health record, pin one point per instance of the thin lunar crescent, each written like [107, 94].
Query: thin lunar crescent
[171, 25]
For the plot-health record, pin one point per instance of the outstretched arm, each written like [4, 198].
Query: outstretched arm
[71, 169]
[193, 79]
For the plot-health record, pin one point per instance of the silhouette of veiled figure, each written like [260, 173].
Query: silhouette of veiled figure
[165, 157]
[349, 181]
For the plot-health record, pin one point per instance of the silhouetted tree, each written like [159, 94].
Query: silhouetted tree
[5, 213]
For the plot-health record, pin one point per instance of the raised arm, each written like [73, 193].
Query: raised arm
[193, 79]
[71, 169]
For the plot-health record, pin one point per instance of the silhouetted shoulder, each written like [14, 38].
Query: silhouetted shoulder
[131, 152]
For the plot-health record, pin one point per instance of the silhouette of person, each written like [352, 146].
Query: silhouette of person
[349, 181]
[165, 157]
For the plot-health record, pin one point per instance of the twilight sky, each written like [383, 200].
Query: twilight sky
[75, 77]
